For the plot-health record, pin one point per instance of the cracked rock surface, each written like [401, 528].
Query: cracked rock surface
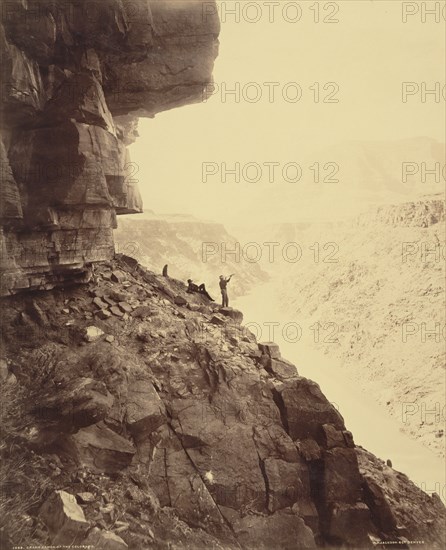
[183, 433]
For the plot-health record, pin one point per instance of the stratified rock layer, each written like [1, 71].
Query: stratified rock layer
[75, 77]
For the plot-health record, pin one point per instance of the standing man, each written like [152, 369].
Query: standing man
[224, 292]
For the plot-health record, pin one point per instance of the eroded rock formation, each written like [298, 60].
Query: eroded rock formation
[76, 74]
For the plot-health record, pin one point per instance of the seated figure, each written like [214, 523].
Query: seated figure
[200, 289]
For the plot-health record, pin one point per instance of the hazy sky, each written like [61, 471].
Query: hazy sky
[366, 56]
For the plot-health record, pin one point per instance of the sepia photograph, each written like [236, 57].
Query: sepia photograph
[223, 274]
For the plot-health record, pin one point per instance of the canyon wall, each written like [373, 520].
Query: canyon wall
[422, 213]
[76, 75]
[380, 282]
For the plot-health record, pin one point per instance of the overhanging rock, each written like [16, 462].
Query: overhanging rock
[75, 78]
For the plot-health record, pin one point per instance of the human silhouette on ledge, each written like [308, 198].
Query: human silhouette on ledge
[200, 289]
[224, 291]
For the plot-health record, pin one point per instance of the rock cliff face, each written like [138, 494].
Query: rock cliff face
[75, 77]
[140, 416]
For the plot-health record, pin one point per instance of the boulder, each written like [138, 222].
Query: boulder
[348, 438]
[143, 495]
[145, 412]
[102, 450]
[104, 540]
[165, 289]
[82, 402]
[125, 307]
[281, 368]
[117, 311]
[104, 314]
[220, 446]
[288, 482]
[64, 518]
[376, 500]
[307, 510]
[118, 276]
[309, 449]
[117, 295]
[234, 314]
[142, 312]
[99, 303]
[129, 262]
[332, 437]
[93, 333]
[250, 349]
[85, 498]
[175, 479]
[271, 349]
[283, 449]
[144, 332]
[280, 530]
[342, 480]
[218, 320]
[306, 409]
[180, 300]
